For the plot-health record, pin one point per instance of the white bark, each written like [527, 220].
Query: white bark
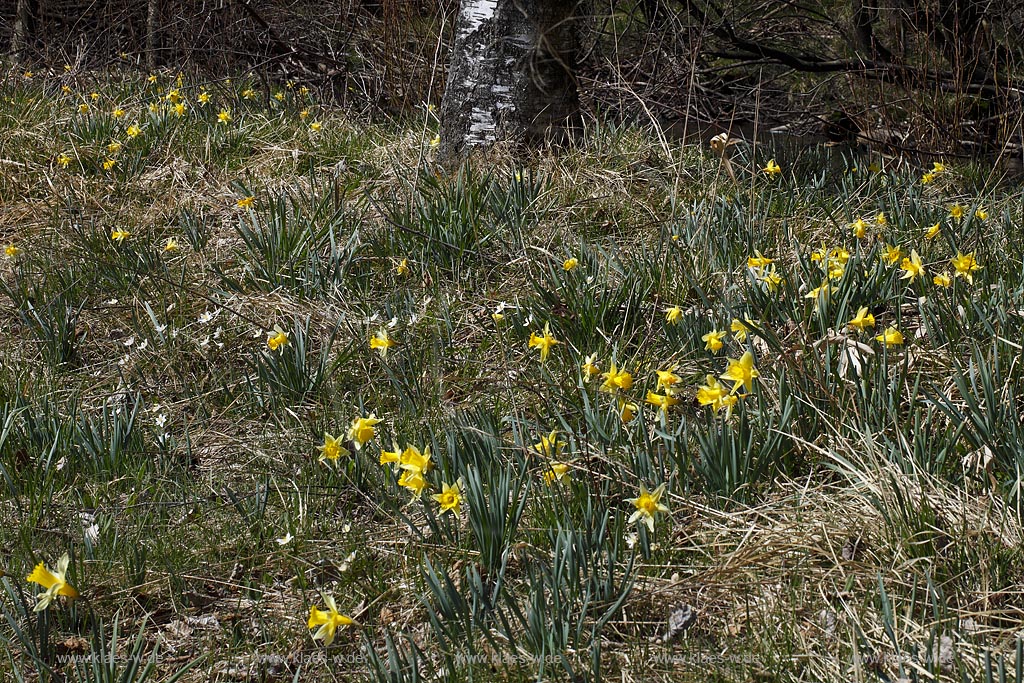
[510, 74]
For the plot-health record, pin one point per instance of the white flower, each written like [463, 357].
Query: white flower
[285, 540]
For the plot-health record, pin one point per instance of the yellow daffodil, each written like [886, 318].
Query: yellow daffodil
[83, 108]
[11, 251]
[713, 393]
[248, 93]
[647, 504]
[772, 168]
[570, 264]
[544, 342]
[549, 446]
[316, 126]
[839, 255]
[117, 113]
[881, 218]
[415, 461]
[556, 471]
[740, 329]
[246, 202]
[224, 116]
[63, 160]
[627, 410]
[891, 255]
[710, 392]
[109, 164]
[863, 319]
[119, 236]
[713, 339]
[662, 402]
[414, 482]
[616, 379]
[770, 279]
[133, 131]
[277, 338]
[589, 367]
[381, 341]
[965, 265]
[362, 430]
[402, 269]
[981, 214]
[204, 97]
[668, 380]
[943, 280]
[450, 498]
[912, 268]
[279, 96]
[304, 114]
[114, 147]
[819, 294]
[741, 372]
[758, 260]
[927, 178]
[393, 456]
[332, 448]
[938, 167]
[328, 621]
[673, 315]
[179, 109]
[891, 337]
[54, 582]
[933, 231]
[956, 211]
[171, 245]
[859, 228]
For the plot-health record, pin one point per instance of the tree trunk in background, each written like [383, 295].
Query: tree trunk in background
[152, 34]
[24, 19]
[510, 75]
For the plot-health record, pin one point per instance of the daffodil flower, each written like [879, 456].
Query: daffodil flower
[772, 168]
[382, 342]
[933, 231]
[647, 504]
[589, 367]
[859, 228]
[912, 268]
[570, 264]
[863, 319]
[543, 342]
[332, 449]
[713, 340]
[616, 379]
[741, 372]
[450, 498]
[54, 582]
[277, 338]
[556, 471]
[891, 337]
[661, 402]
[362, 430]
[328, 621]
[673, 315]
[965, 265]
[549, 446]
[668, 380]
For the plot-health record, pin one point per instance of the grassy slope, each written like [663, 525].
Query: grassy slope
[831, 529]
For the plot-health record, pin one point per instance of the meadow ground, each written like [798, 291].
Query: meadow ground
[601, 411]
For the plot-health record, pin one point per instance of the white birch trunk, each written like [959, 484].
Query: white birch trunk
[510, 76]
